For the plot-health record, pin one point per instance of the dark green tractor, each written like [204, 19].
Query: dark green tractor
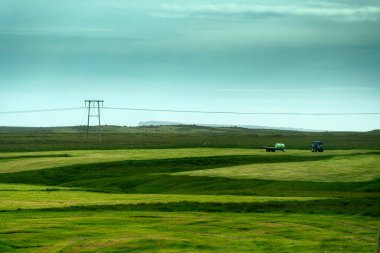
[316, 146]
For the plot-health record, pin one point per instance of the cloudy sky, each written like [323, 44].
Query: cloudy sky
[217, 55]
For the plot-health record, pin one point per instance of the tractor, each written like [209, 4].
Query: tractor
[316, 146]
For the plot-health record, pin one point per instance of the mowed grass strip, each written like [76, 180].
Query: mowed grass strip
[156, 176]
[357, 168]
[15, 197]
[23, 161]
[121, 231]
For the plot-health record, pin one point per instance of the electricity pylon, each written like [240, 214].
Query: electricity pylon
[93, 110]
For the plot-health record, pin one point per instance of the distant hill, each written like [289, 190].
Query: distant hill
[176, 128]
[172, 127]
[167, 123]
[160, 123]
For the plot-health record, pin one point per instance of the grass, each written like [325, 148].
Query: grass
[16, 197]
[68, 138]
[189, 200]
[353, 168]
[136, 231]
[23, 161]
[160, 176]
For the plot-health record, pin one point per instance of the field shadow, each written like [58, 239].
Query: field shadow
[357, 206]
[33, 156]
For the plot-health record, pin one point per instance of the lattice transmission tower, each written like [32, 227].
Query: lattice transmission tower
[93, 110]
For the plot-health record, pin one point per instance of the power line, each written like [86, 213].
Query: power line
[43, 110]
[196, 111]
[240, 113]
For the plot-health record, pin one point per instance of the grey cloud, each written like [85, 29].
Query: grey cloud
[354, 89]
[339, 12]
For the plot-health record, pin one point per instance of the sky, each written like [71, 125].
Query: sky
[215, 55]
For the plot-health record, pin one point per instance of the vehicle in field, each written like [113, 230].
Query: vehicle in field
[316, 146]
[277, 146]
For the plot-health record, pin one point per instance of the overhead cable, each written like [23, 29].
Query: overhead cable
[196, 111]
[44, 110]
[240, 113]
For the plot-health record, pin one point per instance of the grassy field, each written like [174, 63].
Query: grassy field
[16, 197]
[347, 167]
[136, 231]
[21, 161]
[67, 138]
[189, 200]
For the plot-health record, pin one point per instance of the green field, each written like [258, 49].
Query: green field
[345, 167]
[189, 200]
[159, 231]
[185, 136]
